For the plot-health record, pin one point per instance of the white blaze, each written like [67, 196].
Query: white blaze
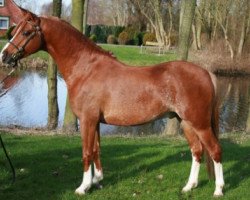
[4, 48]
[8, 43]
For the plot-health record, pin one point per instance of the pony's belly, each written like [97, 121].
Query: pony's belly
[131, 117]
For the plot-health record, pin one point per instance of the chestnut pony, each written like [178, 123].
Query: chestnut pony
[102, 89]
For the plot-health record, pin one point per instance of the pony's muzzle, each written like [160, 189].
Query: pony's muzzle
[8, 58]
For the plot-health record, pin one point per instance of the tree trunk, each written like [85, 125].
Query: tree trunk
[224, 27]
[196, 29]
[53, 109]
[172, 128]
[85, 16]
[198, 33]
[195, 43]
[186, 19]
[248, 116]
[70, 120]
[181, 13]
[248, 121]
[77, 14]
[230, 47]
[170, 25]
[242, 37]
[161, 34]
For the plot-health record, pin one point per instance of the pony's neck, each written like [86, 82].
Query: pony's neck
[68, 46]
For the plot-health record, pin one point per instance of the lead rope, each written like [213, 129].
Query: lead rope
[8, 158]
[1, 140]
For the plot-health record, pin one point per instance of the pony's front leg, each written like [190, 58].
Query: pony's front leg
[98, 174]
[88, 131]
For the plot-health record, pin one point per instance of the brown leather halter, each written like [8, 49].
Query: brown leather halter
[20, 50]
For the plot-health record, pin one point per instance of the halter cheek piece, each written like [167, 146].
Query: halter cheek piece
[20, 50]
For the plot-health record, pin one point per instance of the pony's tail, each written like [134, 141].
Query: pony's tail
[215, 128]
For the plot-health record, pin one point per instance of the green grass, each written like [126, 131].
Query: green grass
[49, 167]
[131, 55]
[127, 54]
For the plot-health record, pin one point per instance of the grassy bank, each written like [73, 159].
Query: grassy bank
[132, 55]
[49, 167]
[220, 63]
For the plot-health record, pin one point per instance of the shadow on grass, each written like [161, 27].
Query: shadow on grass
[238, 159]
[49, 172]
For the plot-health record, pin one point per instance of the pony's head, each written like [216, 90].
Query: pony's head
[24, 39]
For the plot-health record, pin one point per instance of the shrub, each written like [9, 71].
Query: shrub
[102, 31]
[135, 40]
[123, 38]
[140, 37]
[93, 37]
[133, 35]
[150, 37]
[111, 39]
[100, 34]
[87, 30]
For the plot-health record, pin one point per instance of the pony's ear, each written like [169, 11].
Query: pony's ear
[28, 15]
[23, 13]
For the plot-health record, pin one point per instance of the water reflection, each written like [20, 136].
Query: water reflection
[25, 104]
[234, 97]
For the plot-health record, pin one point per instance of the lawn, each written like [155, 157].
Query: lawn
[49, 167]
[132, 55]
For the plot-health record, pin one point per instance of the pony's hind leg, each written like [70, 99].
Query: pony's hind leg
[211, 144]
[197, 151]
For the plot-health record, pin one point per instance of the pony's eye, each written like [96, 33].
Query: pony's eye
[26, 33]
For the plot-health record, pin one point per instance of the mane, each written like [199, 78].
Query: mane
[88, 44]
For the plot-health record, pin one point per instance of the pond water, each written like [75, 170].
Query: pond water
[25, 104]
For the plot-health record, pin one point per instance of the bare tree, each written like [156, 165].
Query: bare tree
[196, 30]
[119, 12]
[244, 11]
[227, 19]
[47, 9]
[222, 17]
[99, 12]
[153, 12]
